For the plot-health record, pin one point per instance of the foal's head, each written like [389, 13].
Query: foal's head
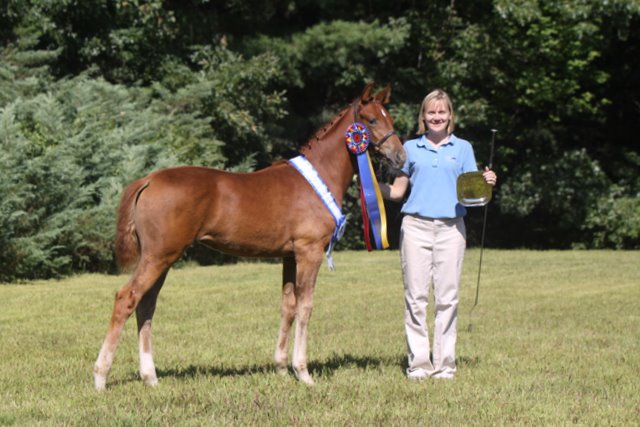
[370, 111]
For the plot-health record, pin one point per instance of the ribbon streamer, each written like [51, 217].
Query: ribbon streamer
[365, 218]
[373, 212]
[374, 216]
[381, 209]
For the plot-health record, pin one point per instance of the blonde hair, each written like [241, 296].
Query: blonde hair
[436, 95]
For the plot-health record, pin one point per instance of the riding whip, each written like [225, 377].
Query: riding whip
[473, 190]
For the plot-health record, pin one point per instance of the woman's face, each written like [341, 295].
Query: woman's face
[437, 116]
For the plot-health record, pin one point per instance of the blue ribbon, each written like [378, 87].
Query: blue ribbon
[369, 183]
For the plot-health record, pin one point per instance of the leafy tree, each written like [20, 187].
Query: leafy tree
[70, 151]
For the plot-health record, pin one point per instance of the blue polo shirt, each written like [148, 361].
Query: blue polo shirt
[433, 173]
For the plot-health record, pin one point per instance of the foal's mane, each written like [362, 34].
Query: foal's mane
[327, 127]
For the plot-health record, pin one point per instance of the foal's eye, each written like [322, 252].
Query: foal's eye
[372, 121]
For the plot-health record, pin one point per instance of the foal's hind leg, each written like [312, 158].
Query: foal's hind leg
[127, 298]
[144, 315]
[287, 313]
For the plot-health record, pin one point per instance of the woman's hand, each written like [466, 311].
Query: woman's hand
[397, 190]
[490, 176]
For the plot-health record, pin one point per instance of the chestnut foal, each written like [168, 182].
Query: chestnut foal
[273, 212]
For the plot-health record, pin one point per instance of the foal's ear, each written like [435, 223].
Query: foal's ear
[384, 95]
[366, 93]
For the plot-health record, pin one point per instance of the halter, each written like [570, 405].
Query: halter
[382, 140]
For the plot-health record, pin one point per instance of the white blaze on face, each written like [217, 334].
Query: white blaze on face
[383, 113]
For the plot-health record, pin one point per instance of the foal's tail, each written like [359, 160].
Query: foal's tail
[127, 243]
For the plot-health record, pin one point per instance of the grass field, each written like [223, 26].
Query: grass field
[555, 341]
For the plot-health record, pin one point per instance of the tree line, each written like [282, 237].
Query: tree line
[96, 93]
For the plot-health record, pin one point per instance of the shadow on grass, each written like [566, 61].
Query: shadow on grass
[469, 362]
[214, 371]
[324, 368]
[336, 362]
[321, 369]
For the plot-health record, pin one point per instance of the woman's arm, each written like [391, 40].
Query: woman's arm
[397, 190]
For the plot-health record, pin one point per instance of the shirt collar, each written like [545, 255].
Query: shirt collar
[422, 141]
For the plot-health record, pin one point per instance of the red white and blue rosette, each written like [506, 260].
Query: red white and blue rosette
[357, 138]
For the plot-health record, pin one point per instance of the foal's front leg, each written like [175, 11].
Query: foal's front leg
[307, 272]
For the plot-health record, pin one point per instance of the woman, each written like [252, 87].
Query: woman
[433, 236]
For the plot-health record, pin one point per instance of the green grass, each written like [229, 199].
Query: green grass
[555, 341]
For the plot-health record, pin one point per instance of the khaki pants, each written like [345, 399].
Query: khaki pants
[431, 253]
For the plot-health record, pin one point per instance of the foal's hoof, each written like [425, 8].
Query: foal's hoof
[99, 382]
[303, 376]
[150, 381]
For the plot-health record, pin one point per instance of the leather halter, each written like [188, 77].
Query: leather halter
[382, 140]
